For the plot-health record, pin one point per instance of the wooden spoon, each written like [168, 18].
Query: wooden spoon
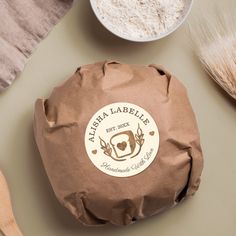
[8, 224]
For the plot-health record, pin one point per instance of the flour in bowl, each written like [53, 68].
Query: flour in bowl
[140, 19]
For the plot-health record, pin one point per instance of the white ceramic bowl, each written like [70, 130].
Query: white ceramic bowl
[187, 9]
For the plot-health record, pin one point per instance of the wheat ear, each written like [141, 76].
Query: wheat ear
[215, 40]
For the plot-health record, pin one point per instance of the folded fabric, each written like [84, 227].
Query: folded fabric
[23, 25]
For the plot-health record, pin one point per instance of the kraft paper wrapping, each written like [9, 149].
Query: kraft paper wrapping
[93, 197]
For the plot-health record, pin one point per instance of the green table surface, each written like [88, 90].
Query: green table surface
[79, 39]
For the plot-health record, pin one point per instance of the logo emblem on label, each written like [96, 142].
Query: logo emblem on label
[122, 139]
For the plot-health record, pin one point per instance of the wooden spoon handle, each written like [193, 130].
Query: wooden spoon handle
[12, 230]
[8, 223]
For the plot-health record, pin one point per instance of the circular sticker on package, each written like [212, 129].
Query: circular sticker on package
[122, 139]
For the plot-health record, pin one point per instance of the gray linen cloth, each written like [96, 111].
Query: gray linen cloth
[23, 24]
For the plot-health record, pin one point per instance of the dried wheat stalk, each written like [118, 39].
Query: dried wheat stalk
[215, 39]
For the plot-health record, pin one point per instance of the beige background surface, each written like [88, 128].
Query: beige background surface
[80, 39]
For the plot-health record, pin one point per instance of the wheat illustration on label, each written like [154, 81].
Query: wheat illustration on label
[123, 145]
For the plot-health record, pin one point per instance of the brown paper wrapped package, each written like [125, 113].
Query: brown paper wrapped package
[92, 196]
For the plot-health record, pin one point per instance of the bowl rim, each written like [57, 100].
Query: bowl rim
[186, 14]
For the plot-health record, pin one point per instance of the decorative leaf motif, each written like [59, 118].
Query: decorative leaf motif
[139, 136]
[107, 150]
